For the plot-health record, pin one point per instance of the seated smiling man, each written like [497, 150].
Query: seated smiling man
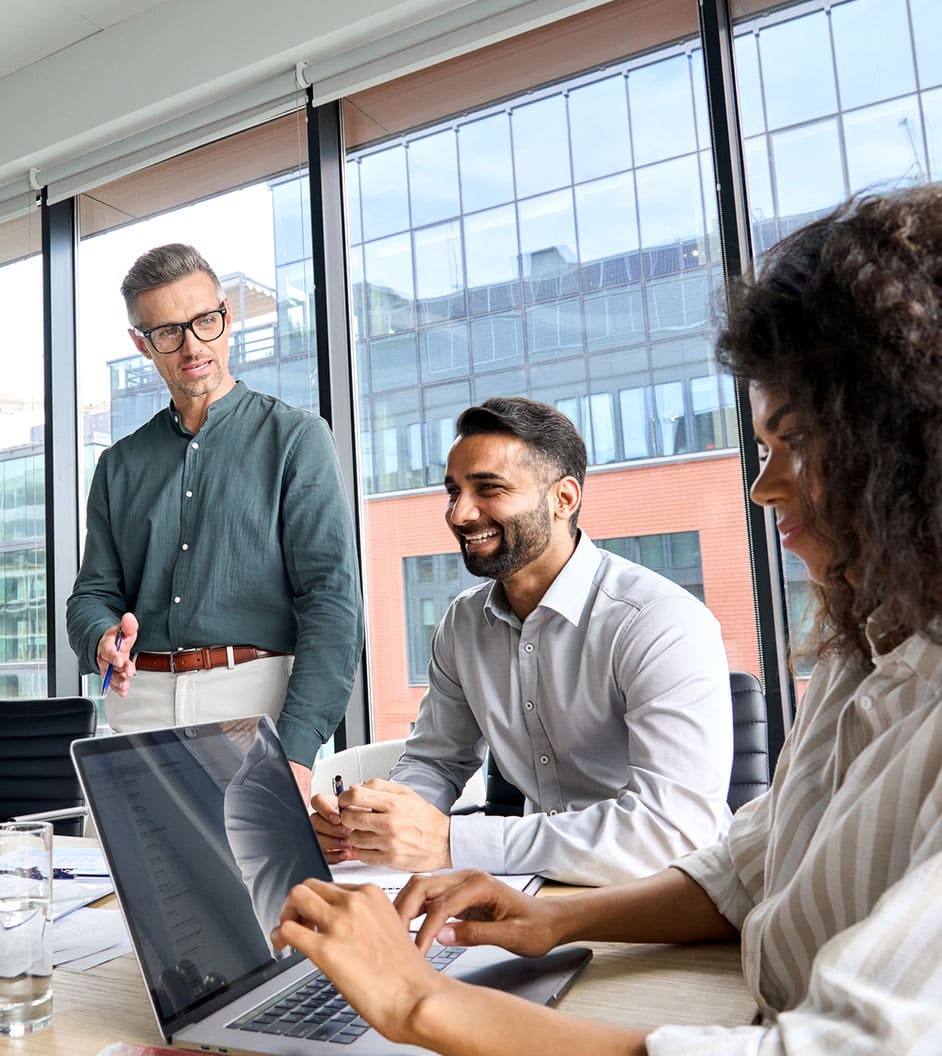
[600, 687]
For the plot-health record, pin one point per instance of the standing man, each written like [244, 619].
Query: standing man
[600, 687]
[220, 544]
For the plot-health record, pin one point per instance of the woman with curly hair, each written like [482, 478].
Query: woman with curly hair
[833, 879]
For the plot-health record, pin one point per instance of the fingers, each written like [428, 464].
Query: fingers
[333, 837]
[129, 628]
[441, 898]
[325, 809]
[109, 652]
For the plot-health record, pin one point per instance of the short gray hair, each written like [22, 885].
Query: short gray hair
[159, 266]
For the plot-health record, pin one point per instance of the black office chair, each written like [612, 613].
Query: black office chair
[750, 773]
[36, 772]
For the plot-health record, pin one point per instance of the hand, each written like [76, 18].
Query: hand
[109, 653]
[302, 777]
[490, 911]
[389, 824]
[334, 838]
[352, 934]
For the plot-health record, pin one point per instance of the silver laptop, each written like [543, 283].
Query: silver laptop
[204, 833]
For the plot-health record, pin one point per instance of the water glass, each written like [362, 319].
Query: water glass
[25, 927]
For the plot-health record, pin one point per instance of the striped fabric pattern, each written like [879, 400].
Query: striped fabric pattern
[835, 875]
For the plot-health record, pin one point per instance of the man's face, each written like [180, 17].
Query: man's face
[499, 505]
[197, 368]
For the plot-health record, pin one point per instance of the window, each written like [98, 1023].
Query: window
[675, 555]
[577, 265]
[22, 466]
[244, 204]
[431, 583]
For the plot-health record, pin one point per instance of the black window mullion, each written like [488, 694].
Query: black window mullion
[716, 32]
[61, 436]
[332, 329]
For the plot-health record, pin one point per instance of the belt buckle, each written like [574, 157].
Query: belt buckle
[186, 652]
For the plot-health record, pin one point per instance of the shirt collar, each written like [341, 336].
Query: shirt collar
[216, 411]
[917, 653]
[567, 594]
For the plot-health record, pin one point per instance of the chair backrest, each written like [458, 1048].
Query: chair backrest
[364, 761]
[750, 774]
[36, 772]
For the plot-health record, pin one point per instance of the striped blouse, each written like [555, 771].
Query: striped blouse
[835, 875]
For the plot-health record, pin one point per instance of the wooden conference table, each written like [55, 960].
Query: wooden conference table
[633, 985]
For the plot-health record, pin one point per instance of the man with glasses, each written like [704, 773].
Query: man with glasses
[219, 577]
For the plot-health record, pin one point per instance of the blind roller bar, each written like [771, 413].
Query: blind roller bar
[265, 101]
[449, 35]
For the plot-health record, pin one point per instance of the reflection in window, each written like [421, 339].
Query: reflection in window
[797, 70]
[809, 175]
[431, 583]
[884, 145]
[384, 196]
[439, 274]
[492, 254]
[487, 175]
[872, 35]
[547, 246]
[433, 178]
[662, 114]
[22, 474]
[389, 289]
[541, 147]
[598, 122]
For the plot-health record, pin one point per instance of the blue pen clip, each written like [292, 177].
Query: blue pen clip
[119, 638]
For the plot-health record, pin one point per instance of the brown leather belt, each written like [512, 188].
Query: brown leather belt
[200, 659]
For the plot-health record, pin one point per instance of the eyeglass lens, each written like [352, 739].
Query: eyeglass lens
[167, 339]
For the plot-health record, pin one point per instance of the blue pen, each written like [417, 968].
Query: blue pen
[338, 785]
[117, 644]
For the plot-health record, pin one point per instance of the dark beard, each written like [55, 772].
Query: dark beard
[525, 537]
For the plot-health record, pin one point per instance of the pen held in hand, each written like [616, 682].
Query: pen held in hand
[107, 681]
[338, 785]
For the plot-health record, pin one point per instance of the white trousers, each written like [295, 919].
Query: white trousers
[157, 699]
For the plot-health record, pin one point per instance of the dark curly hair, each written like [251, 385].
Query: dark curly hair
[844, 320]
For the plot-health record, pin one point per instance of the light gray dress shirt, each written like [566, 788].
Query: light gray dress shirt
[608, 707]
[835, 875]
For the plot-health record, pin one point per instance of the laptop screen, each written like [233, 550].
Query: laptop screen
[205, 833]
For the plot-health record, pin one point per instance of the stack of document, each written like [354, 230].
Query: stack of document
[82, 938]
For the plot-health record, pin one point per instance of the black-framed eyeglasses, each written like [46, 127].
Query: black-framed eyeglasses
[169, 337]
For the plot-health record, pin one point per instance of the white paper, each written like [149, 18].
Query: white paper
[88, 937]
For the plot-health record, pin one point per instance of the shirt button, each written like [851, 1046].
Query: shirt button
[529, 705]
[866, 703]
[186, 546]
[176, 600]
[544, 759]
[528, 648]
[189, 494]
[195, 446]
[552, 813]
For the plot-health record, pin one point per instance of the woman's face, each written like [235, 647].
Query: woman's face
[781, 450]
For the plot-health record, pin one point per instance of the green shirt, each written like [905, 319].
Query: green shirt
[239, 535]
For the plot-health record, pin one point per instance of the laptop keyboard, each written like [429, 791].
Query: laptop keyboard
[315, 1009]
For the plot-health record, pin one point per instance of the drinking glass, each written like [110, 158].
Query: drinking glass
[25, 927]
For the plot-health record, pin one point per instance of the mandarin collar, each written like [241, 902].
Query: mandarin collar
[216, 411]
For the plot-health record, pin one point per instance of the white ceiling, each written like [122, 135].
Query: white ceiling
[32, 29]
